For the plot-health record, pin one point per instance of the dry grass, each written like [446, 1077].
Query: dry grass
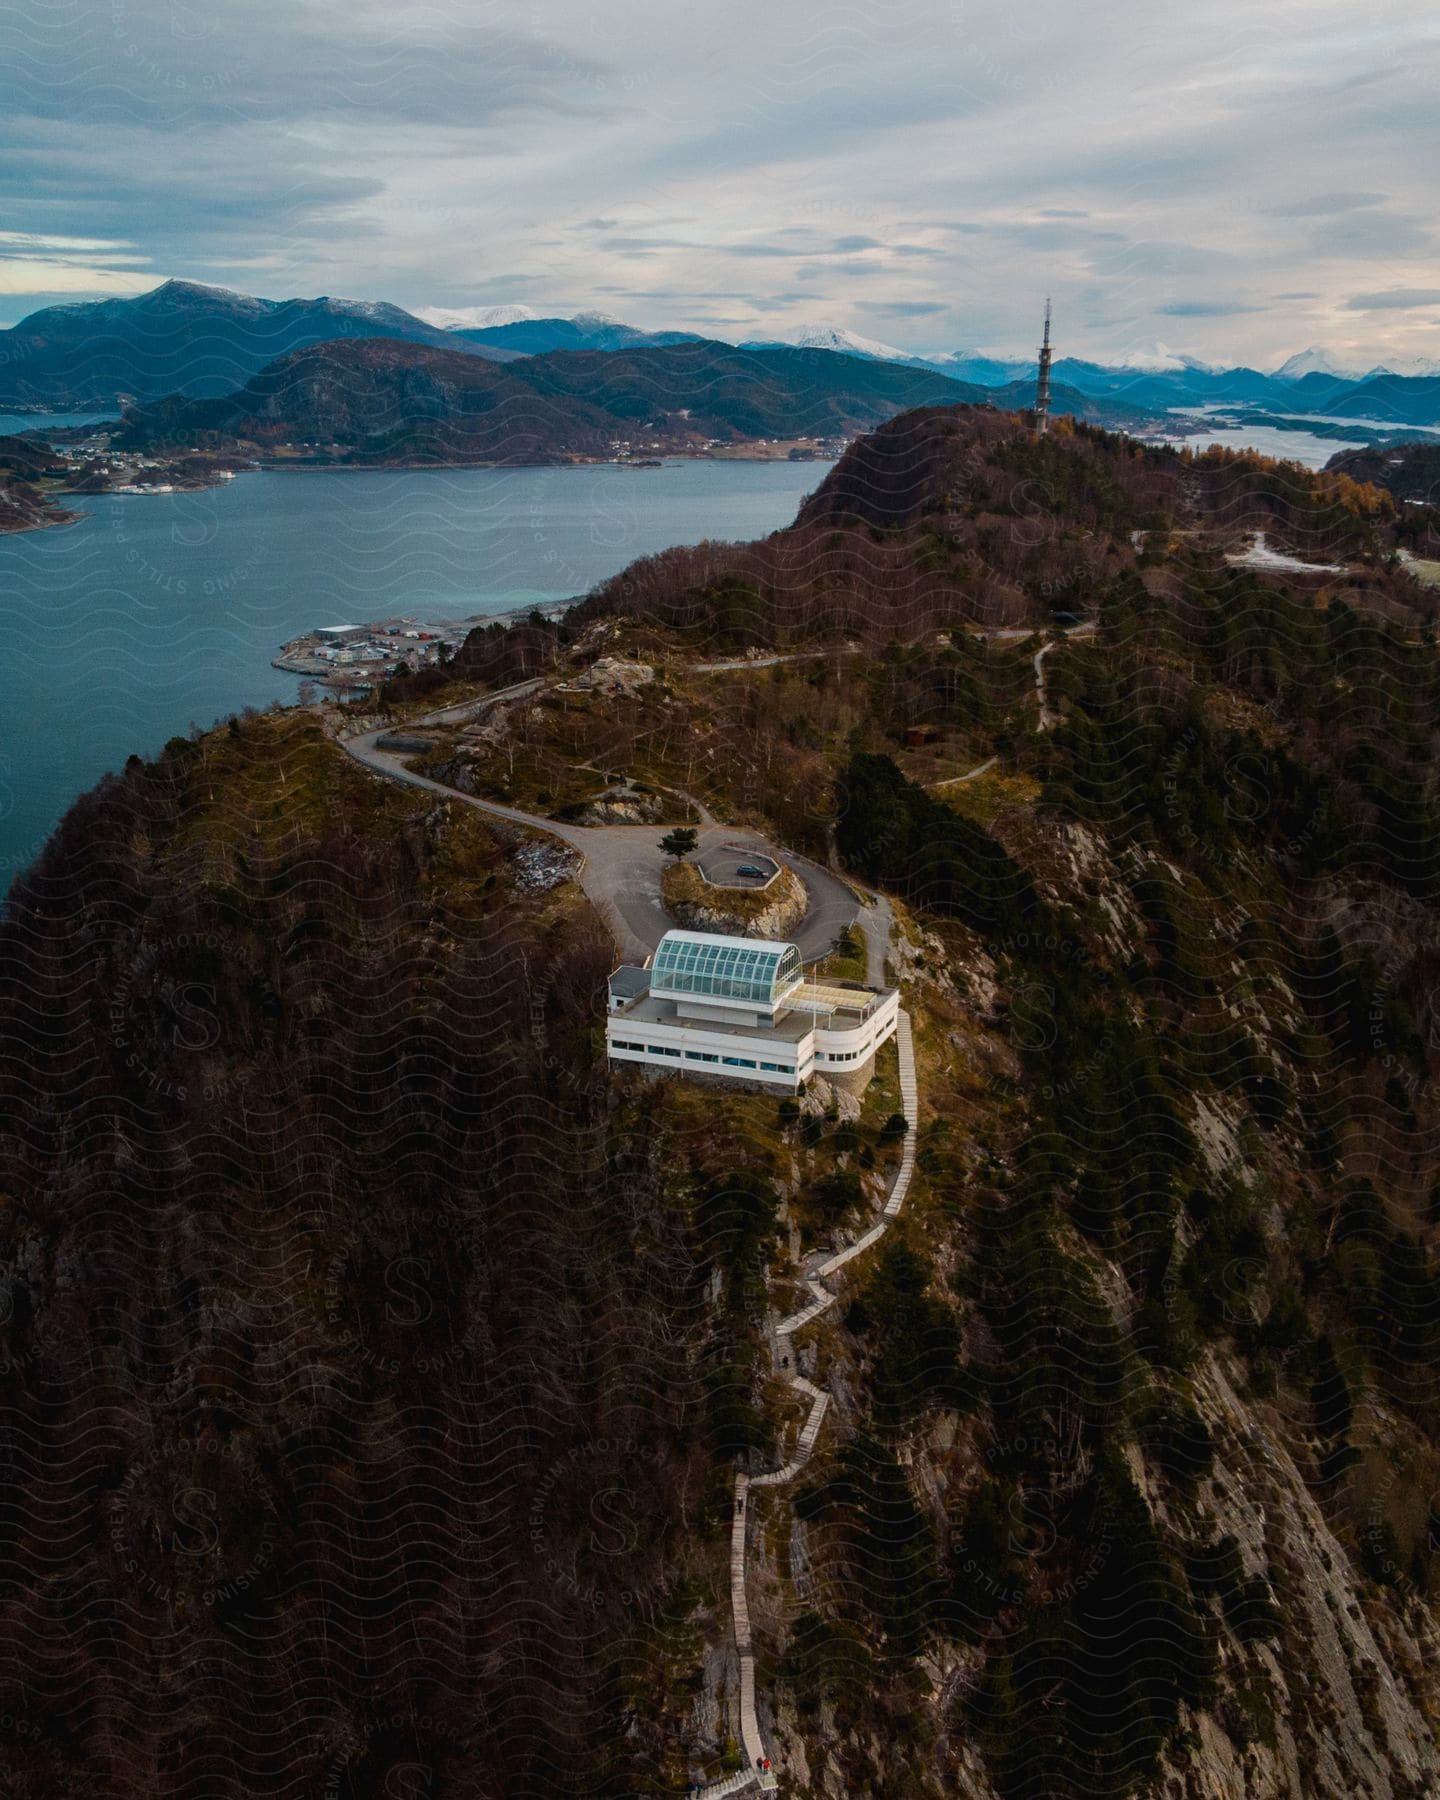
[683, 885]
[987, 796]
[848, 964]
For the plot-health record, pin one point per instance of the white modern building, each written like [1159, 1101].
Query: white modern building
[740, 1009]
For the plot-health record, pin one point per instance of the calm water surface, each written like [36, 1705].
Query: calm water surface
[1306, 447]
[155, 611]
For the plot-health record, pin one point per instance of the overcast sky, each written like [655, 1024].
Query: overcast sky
[1233, 180]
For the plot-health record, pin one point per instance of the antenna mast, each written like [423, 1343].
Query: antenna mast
[1042, 383]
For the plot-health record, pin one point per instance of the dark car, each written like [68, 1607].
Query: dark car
[750, 869]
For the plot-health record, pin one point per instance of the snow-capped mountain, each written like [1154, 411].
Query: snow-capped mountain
[1160, 359]
[1315, 361]
[976, 365]
[173, 296]
[204, 293]
[1428, 366]
[199, 340]
[835, 337]
[473, 318]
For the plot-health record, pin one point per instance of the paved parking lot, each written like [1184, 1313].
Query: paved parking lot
[624, 863]
[721, 866]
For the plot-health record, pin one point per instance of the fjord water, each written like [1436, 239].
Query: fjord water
[156, 611]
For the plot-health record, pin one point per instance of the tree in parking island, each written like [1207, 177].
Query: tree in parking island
[679, 842]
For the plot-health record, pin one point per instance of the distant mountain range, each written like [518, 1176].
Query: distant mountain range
[1161, 380]
[586, 331]
[1321, 362]
[204, 342]
[181, 338]
[1154, 385]
[386, 401]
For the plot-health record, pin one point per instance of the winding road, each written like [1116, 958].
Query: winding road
[622, 864]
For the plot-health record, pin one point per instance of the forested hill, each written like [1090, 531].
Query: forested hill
[932, 465]
[378, 1363]
[1409, 471]
[384, 400]
[957, 515]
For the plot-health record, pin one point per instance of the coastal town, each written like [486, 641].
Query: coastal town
[43, 470]
[351, 656]
[41, 473]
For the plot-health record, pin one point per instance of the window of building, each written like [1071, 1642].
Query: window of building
[661, 1050]
[738, 1062]
[724, 968]
[701, 1056]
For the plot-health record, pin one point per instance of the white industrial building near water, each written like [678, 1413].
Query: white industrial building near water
[741, 1009]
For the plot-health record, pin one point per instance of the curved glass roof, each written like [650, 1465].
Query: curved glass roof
[727, 968]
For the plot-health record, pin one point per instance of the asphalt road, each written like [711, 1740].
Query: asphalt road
[624, 863]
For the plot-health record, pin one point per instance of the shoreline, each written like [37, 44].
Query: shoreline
[73, 517]
[305, 465]
[316, 466]
[201, 615]
[60, 516]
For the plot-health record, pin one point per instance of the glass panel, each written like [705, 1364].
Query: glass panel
[726, 969]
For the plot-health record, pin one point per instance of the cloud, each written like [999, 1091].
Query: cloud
[1321, 206]
[642, 246]
[902, 309]
[40, 279]
[16, 242]
[838, 274]
[869, 160]
[1204, 309]
[277, 62]
[1394, 300]
[50, 264]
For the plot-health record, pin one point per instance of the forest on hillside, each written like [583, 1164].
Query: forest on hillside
[386, 400]
[378, 1363]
